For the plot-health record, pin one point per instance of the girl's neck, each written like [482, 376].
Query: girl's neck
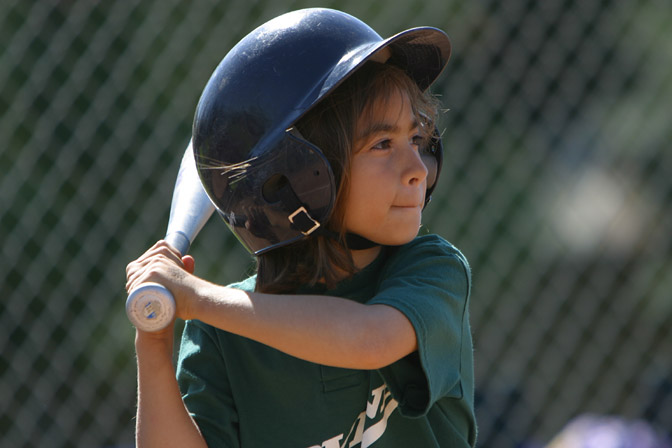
[363, 258]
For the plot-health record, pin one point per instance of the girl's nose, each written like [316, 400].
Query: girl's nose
[415, 170]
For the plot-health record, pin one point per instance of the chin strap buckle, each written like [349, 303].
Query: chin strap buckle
[303, 221]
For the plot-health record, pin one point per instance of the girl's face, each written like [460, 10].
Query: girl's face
[388, 179]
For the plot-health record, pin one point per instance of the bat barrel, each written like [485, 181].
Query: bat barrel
[179, 240]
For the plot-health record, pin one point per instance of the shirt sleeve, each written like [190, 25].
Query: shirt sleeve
[204, 384]
[429, 281]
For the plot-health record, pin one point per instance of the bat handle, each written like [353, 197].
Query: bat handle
[151, 306]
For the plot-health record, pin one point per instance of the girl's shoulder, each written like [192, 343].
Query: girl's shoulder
[427, 255]
[430, 260]
[430, 245]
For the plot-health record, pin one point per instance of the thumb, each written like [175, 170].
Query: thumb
[189, 263]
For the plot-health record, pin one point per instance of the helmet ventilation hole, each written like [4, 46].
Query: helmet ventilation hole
[272, 186]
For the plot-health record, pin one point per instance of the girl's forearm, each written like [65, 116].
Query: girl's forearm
[162, 419]
[321, 329]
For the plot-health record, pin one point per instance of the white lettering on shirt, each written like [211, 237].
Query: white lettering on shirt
[376, 414]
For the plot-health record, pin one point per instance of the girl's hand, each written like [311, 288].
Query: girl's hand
[164, 265]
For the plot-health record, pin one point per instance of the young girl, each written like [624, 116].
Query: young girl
[318, 146]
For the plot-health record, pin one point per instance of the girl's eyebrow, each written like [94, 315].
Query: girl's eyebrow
[376, 127]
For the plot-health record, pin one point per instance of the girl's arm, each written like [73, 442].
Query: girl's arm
[162, 419]
[321, 329]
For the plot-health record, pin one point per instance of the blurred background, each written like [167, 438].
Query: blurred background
[557, 185]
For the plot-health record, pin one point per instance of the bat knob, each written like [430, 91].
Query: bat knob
[150, 307]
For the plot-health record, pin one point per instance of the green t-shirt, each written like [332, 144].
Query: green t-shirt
[246, 394]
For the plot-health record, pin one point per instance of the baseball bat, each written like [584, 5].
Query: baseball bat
[151, 306]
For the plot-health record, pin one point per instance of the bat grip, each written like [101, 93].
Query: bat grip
[151, 307]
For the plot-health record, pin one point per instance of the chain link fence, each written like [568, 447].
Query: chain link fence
[557, 185]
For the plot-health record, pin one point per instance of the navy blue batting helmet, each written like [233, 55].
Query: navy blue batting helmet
[242, 134]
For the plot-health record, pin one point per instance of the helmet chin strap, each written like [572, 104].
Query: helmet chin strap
[352, 240]
[357, 242]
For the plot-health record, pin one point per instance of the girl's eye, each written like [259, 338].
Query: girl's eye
[383, 144]
[418, 140]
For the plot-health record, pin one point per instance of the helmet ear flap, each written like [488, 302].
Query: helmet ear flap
[432, 157]
[276, 198]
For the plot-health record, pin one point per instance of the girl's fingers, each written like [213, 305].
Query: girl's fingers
[151, 269]
[189, 263]
[155, 261]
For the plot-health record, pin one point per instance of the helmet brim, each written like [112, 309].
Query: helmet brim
[421, 52]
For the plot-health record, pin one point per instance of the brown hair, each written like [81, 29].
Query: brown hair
[331, 125]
